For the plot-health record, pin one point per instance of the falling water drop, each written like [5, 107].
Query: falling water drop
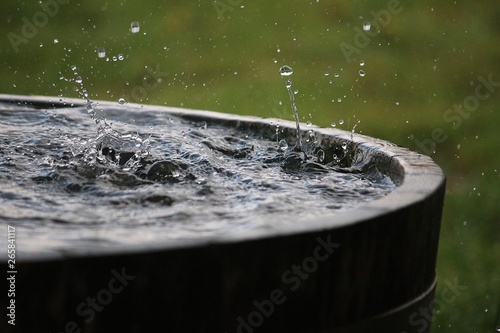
[78, 79]
[121, 57]
[101, 52]
[135, 27]
[121, 101]
[56, 41]
[341, 121]
[333, 124]
[366, 26]
[286, 71]
[362, 73]
[362, 63]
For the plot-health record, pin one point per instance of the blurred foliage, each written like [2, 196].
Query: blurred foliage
[426, 59]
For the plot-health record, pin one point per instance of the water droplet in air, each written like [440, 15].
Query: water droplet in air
[362, 73]
[333, 124]
[56, 41]
[288, 84]
[121, 101]
[336, 74]
[362, 63]
[366, 26]
[340, 101]
[78, 79]
[327, 74]
[286, 71]
[283, 145]
[308, 123]
[121, 57]
[341, 121]
[135, 27]
[344, 145]
[101, 52]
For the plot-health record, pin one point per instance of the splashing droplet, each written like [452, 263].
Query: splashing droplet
[362, 73]
[135, 27]
[283, 145]
[286, 71]
[121, 57]
[78, 79]
[101, 52]
[321, 155]
[366, 26]
[308, 123]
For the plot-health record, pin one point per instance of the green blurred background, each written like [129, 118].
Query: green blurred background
[425, 59]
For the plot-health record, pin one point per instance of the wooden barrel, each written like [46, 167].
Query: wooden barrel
[369, 269]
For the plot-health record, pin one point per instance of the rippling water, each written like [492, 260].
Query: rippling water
[147, 176]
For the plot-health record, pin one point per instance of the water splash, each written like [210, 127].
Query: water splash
[288, 71]
[110, 147]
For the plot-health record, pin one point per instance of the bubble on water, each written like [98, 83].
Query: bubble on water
[341, 121]
[56, 41]
[321, 155]
[283, 145]
[78, 79]
[135, 27]
[286, 71]
[101, 52]
[121, 101]
[362, 63]
[366, 26]
[362, 73]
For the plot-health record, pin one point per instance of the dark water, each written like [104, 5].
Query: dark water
[147, 176]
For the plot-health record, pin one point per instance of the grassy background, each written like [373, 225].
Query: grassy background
[424, 61]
